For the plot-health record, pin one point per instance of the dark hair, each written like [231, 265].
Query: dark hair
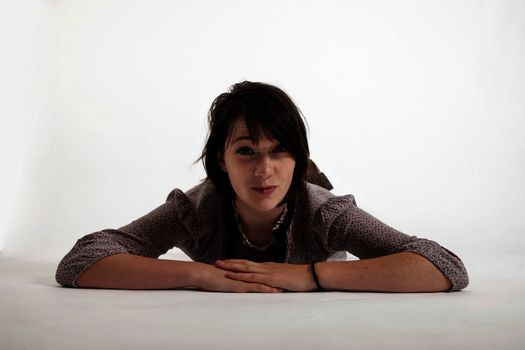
[267, 110]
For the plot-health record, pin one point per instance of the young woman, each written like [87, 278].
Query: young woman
[256, 225]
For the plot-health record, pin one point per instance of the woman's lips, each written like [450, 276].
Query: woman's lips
[266, 190]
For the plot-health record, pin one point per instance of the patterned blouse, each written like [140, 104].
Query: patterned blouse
[317, 226]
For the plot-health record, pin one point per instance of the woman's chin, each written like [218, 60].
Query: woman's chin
[264, 207]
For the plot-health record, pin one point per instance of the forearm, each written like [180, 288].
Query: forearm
[126, 271]
[401, 272]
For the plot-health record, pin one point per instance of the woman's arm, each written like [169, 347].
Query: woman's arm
[126, 258]
[379, 246]
[149, 236]
[391, 261]
[401, 272]
[126, 271]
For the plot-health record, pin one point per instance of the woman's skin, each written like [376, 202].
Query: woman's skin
[254, 167]
[261, 175]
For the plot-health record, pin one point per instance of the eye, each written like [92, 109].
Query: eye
[245, 151]
[280, 148]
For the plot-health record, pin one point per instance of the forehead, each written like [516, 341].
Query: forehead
[241, 130]
[240, 127]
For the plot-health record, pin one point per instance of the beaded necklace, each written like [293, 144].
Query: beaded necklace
[245, 239]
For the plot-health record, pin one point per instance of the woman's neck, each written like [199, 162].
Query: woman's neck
[258, 225]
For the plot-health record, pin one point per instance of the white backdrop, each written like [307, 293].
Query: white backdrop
[415, 107]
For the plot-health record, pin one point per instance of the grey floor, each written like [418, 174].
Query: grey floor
[37, 314]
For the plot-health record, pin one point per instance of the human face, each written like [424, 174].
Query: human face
[260, 174]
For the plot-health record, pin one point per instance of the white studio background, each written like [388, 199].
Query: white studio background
[415, 107]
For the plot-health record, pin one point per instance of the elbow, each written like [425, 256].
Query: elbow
[63, 275]
[459, 278]
[446, 261]
[455, 271]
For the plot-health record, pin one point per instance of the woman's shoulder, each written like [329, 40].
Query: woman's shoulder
[201, 197]
[315, 198]
[316, 194]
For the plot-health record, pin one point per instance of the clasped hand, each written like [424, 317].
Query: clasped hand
[290, 277]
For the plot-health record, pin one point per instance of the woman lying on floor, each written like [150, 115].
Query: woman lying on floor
[263, 220]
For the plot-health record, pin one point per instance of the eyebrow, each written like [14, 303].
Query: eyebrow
[240, 138]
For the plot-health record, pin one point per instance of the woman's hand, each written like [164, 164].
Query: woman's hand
[212, 278]
[292, 277]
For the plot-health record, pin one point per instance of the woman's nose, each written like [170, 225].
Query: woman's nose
[264, 166]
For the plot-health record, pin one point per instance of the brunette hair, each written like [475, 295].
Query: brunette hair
[267, 110]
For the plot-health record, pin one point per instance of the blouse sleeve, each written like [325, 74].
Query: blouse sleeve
[364, 236]
[151, 236]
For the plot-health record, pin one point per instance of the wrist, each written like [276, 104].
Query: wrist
[315, 277]
[196, 274]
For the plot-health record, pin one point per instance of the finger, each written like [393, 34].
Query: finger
[235, 260]
[239, 265]
[255, 278]
[247, 277]
[259, 288]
